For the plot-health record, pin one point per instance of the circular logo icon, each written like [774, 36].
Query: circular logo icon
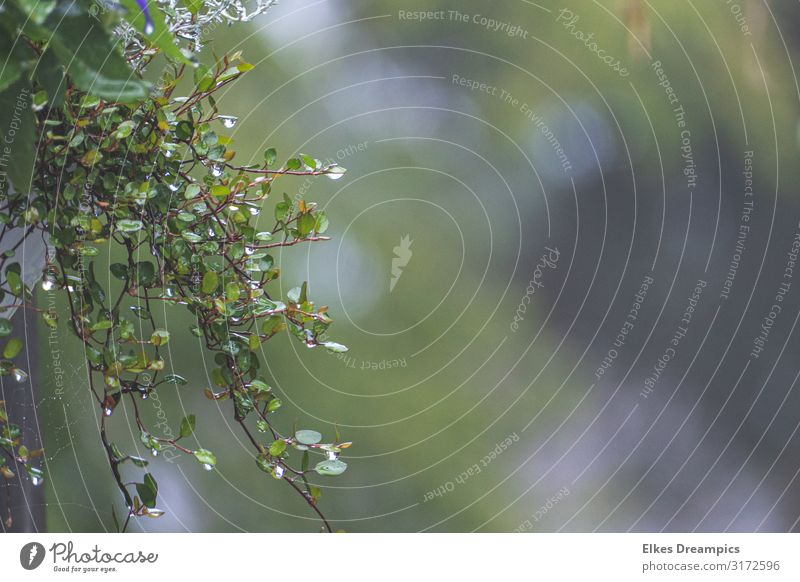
[31, 555]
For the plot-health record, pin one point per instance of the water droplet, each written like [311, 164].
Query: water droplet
[207, 466]
[254, 211]
[249, 250]
[332, 456]
[216, 171]
[149, 28]
[36, 480]
[211, 233]
[108, 411]
[174, 187]
[278, 472]
[335, 172]
[20, 375]
[167, 153]
[48, 283]
[228, 121]
[154, 452]
[145, 395]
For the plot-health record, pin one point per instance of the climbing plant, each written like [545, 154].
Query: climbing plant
[105, 168]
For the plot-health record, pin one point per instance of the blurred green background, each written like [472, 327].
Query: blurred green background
[437, 379]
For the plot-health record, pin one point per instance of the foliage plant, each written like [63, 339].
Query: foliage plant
[98, 163]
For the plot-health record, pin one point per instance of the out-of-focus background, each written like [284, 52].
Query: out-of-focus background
[563, 259]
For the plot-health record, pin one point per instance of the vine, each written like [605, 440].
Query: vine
[149, 183]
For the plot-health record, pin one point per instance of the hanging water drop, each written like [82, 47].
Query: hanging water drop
[249, 250]
[48, 283]
[335, 172]
[36, 480]
[167, 153]
[332, 456]
[108, 411]
[254, 211]
[208, 466]
[174, 187]
[154, 452]
[20, 375]
[228, 121]
[278, 472]
[216, 171]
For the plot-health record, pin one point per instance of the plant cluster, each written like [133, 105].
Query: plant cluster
[109, 170]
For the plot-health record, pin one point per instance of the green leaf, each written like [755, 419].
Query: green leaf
[10, 69]
[270, 156]
[127, 225]
[49, 74]
[220, 191]
[159, 337]
[146, 272]
[331, 468]
[148, 491]
[205, 457]
[308, 437]
[277, 448]
[259, 387]
[119, 270]
[210, 282]
[303, 293]
[175, 379]
[305, 224]
[12, 348]
[335, 348]
[103, 324]
[264, 463]
[14, 282]
[293, 294]
[139, 461]
[5, 327]
[18, 128]
[309, 161]
[187, 425]
[192, 191]
[125, 129]
[281, 211]
[36, 10]
[322, 223]
[194, 6]
[232, 292]
[92, 59]
[160, 34]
